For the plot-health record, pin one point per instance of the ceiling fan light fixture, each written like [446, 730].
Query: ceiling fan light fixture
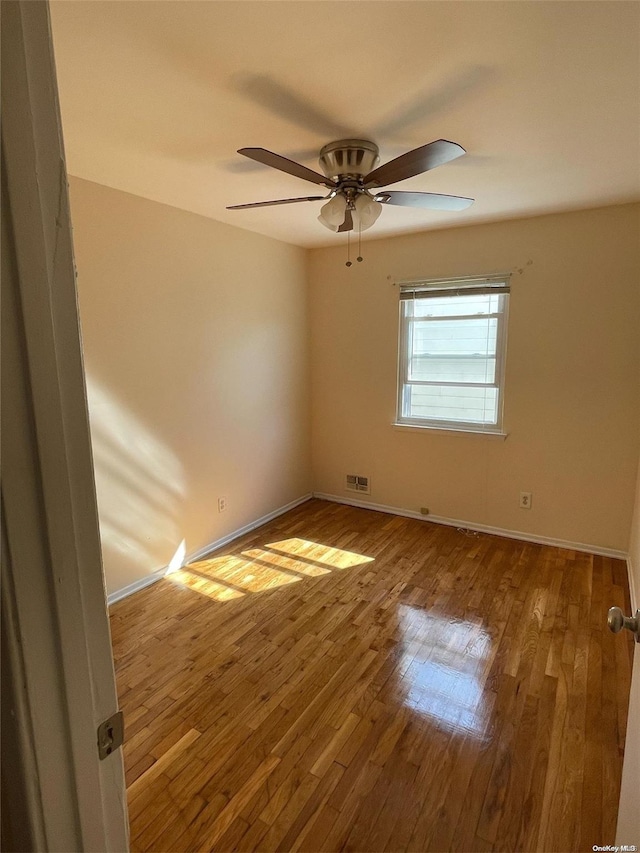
[347, 164]
[332, 213]
[366, 212]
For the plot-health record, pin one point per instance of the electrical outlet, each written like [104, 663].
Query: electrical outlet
[222, 504]
[424, 510]
[525, 500]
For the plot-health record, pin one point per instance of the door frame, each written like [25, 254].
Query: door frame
[58, 677]
[58, 673]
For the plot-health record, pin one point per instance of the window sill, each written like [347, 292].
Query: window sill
[500, 436]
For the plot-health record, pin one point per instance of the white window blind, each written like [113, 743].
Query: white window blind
[451, 354]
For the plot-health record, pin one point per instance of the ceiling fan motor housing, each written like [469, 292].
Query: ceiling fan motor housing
[348, 157]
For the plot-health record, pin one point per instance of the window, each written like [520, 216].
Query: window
[451, 353]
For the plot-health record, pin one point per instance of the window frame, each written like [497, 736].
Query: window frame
[453, 287]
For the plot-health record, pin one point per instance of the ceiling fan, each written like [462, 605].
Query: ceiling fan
[354, 200]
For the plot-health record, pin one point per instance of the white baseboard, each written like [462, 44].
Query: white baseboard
[128, 590]
[158, 574]
[481, 528]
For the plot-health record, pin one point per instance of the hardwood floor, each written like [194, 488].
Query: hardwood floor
[341, 679]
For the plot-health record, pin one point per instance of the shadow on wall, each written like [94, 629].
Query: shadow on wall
[139, 485]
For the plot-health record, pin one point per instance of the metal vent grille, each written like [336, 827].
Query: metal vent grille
[356, 483]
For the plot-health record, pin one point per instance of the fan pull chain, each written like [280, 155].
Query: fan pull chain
[349, 263]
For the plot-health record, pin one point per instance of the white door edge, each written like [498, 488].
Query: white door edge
[60, 631]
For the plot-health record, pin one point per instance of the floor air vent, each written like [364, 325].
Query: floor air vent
[358, 484]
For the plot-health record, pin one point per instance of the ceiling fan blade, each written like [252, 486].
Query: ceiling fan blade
[347, 225]
[246, 165]
[277, 201]
[276, 161]
[414, 163]
[427, 201]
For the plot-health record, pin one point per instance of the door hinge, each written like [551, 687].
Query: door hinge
[110, 734]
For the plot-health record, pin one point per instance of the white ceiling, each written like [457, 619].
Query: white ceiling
[545, 97]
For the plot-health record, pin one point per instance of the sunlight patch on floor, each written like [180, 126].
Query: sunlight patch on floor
[289, 563]
[216, 591]
[334, 558]
[261, 569]
[236, 574]
[246, 574]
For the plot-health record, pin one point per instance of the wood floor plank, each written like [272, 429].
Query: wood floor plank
[166, 758]
[300, 832]
[342, 679]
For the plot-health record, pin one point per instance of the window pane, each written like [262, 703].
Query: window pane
[451, 306]
[441, 402]
[443, 369]
[453, 350]
[455, 343]
[454, 337]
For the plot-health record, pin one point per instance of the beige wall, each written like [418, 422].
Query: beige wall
[196, 348]
[571, 404]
